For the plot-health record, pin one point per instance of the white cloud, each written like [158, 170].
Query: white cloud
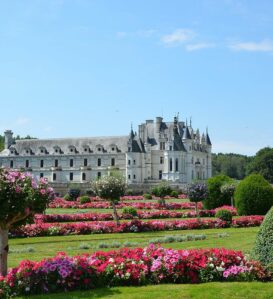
[22, 121]
[263, 46]
[178, 36]
[199, 46]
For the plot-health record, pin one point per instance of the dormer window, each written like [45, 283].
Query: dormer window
[99, 148]
[72, 149]
[12, 151]
[57, 150]
[42, 150]
[86, 149]
[28, 151]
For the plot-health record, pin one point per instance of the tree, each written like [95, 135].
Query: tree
[110, 188]
[196, 193]
[20, 198]
[262, 164]
[162, 190]
[228, 189]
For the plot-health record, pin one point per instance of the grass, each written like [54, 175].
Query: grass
[237, 239]
[236, 290]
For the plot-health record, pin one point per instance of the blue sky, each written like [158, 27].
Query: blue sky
[91, 67]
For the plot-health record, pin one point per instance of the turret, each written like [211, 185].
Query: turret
[8, 138]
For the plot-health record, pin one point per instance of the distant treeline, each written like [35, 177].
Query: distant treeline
[239, 166]
[233, 165]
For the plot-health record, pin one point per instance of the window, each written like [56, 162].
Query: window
[11, 164]
[56, 150]
[176, 164]
[171, 164]
[162, 146]
[113, 148]
[85, 149]
[85, 162]
[99, 161]
[134, 162]
[56, 163]
[134, 176]
[160, 175]
[71, 176]
[71, 162]
[71, 150]
[99, 149]
[171, 148]
[41, 175]
[161, 160]
[42, 150]
[42, 163]
[99, 174]
[129, 162]
[27, 163]
[54, 177]
[129, 176]
[83, 176]
[113, 162]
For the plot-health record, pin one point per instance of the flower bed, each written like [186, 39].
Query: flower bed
[61, 203]
[151, 265]
[58, 229]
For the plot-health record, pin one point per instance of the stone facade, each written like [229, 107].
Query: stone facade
[170, 151]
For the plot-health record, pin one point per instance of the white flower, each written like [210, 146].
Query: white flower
[211, 265]
[27, 289]
[222, 264]
[111, 260]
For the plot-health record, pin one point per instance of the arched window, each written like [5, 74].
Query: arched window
[176, 164]
[113, 162]
[99, 161]
[171, 164]
[83, 176]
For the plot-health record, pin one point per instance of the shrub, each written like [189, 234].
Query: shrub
[84, 199]
[174, 194]
[253, 196]
[224, 215]
[162, 190]
[147, 196]
[129, 210]
[229, 189]
[215, 197]
[263, 249]
[129, 192]
[74, 193]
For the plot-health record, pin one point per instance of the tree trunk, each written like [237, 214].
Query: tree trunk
[4, 249]
[232, 204]
[116, 214]
[196, 211]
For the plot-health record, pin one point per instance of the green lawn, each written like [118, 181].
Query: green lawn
[253, 290]
[237, 239]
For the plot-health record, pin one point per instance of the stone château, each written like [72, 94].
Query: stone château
[170, 151]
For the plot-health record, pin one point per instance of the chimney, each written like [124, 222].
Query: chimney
[8, 138]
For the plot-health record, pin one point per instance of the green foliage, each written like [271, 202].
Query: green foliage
[129, 192]
[162, 190]
[215, 197]
[262, 164]
[147, 196]
[129, 210]
[263, 248]
[66, 197]
[174, 194]
[74, 193]
[232, 165]
[2, 142]
[84, 199]
[224, 215]
[110, 188]
[253, 196]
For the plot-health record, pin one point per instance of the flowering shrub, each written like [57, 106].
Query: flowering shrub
[233, 210]
[45, 229]
[152, 264]
[196, 193]
[61, 203]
